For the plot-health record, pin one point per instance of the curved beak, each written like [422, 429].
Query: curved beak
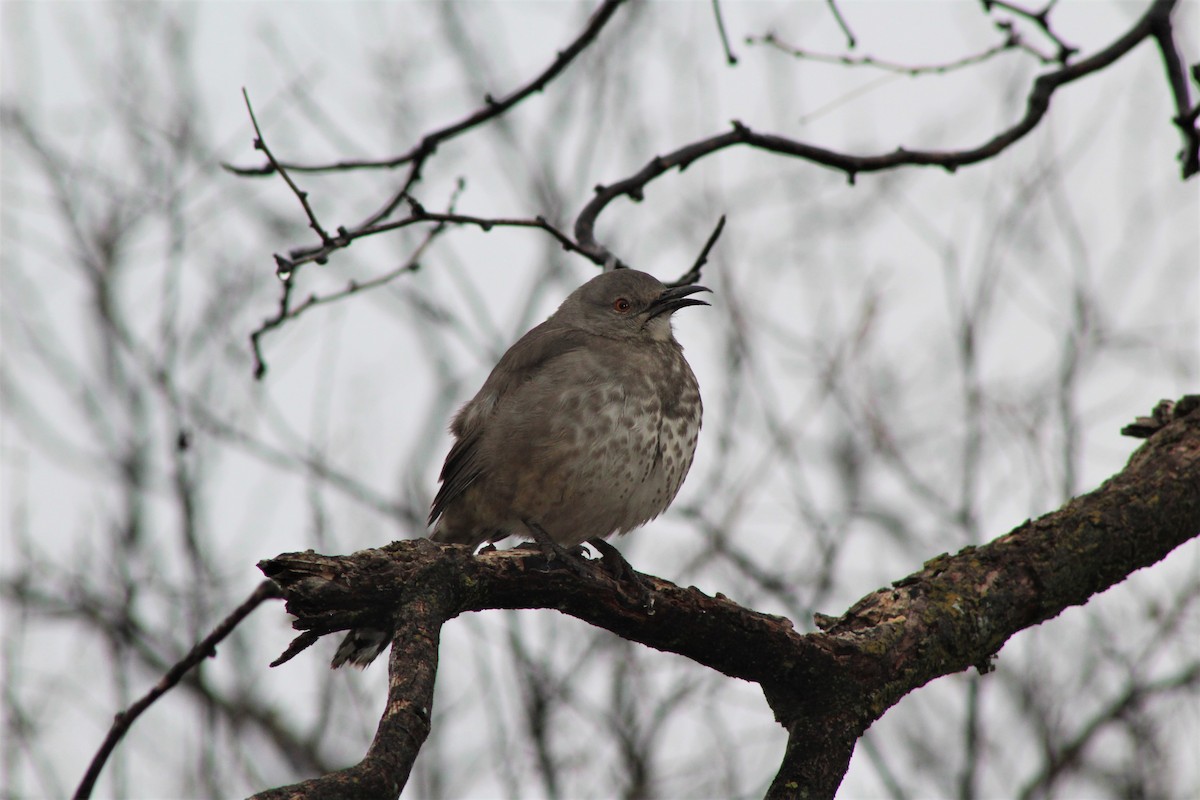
[676, 298]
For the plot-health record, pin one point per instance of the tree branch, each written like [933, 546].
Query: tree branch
[1011, 41]
[826, 687]
[318, 253]
[693, 274]
[1186, 113]
[1039, 18]
[492, 108]
[260, 143]
[412, 667]
[730, 58]
[1156, 18]
[205, 648]
[415, 158]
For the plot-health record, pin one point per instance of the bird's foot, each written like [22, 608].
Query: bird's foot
[624, 574]
[571, 558]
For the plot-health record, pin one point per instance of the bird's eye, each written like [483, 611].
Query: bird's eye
[621, 305]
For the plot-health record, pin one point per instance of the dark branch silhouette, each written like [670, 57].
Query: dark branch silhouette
[1157, 17]
[260, 143]
[730, 58]
[205, 648]
[1187, 110]
[841, 21]
[693, 274]
[417, 157]
[1039, 18]
[493, 107]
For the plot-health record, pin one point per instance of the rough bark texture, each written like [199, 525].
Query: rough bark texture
[826, 687]
[412, 668]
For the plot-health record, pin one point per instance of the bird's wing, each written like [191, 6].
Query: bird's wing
[534, 350]
[459, 471]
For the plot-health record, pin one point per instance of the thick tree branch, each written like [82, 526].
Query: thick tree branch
[412, 667]
[826, 687]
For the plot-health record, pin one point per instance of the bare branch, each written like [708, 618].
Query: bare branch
[286, 312]
[260, 143]
[1037, 104]
[412, 667]
[346, 236]
[1039, 18]
[730, 58]
[1010, 42]
[404, 726]
[205, 648]
[1186, 112]
[693, 274]
[841, 21]
[492, 108]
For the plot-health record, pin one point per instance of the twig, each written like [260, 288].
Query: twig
[1039, 18]
[1186, 114]
[286, 312]
[305, 255]
[416, 156]
[1012, 41]
[270, 323]
[730, 58]
[841, 21]
[693, 274]
[260, 143]
[205, 648]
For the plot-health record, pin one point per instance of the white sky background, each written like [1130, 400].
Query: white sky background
[350, 380]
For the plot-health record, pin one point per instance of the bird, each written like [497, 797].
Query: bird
[585, 428]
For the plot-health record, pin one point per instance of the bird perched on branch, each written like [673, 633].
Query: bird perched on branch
[585, 428]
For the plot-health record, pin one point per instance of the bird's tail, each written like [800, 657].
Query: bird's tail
[361, 646]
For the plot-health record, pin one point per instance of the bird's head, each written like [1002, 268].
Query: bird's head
[625, 303]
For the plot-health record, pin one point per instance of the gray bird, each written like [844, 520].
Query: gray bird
[585, 428]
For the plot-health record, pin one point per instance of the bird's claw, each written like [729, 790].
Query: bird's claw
[571, 558]
[624, 574]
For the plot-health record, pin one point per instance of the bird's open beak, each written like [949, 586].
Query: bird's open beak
[676, 298]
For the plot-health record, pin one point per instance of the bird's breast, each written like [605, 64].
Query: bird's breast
[653, 423]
